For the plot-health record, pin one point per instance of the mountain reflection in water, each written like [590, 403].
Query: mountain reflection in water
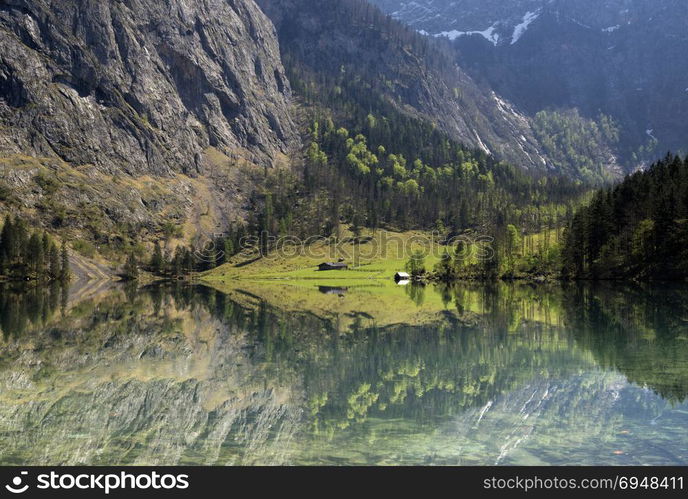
[471, 374]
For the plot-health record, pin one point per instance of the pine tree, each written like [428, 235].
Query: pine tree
[491, 263]
[19, 239]
[460, 257]
[228, 250]
[34, 255]
[513, 245]
[178, 261]
[7, 241]
[266, 229]
[65, 273]
[446, 269]
[5, 236]
[54, 262]
[209, 257]
[416, 264]
[131, 268]
[157, 262]
[46, 249]
[189, 260]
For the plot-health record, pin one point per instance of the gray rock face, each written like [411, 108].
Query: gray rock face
[141, 86]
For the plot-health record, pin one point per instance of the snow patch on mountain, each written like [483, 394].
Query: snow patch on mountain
[521, 28]
[579, 23]
[490, 34]
[509, 112]
[481, 144]
[413, 10]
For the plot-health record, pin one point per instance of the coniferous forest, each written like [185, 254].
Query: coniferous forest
[31, 255]
[374, 176]
[635, 230]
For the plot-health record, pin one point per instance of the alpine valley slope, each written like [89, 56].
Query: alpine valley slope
[354, 40]
[619, 57]
[137, 113]
[125, 122]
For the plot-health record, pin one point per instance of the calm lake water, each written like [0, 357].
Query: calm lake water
[469, 375]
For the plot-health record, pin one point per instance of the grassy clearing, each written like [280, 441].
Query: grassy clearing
[377, 256]
[366, 294]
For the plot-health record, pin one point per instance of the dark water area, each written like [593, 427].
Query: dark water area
[504, 374]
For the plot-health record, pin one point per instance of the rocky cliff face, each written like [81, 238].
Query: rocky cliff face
[140, 86]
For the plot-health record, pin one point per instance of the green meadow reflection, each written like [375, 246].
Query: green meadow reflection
[504, 374]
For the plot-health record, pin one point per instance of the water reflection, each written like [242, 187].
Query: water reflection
[23, 306]
[641, 332]
[505, 374]
[330, 290]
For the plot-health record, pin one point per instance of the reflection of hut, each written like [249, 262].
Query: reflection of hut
[329, 290]
[333, 266]
[402, 276]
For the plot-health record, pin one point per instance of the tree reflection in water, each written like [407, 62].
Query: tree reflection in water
[508, 374]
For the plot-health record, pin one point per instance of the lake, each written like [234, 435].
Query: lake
[282, 374]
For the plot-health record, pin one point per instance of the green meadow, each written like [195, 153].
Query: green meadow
[372, 256]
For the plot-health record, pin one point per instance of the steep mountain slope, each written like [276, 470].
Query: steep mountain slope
[123, 123]
[619, 57]
[123, 120]
[352, 40]
[141, 86]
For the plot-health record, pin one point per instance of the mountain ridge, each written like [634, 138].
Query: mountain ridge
[617, 57]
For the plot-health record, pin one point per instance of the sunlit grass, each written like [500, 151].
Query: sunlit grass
[376, 255]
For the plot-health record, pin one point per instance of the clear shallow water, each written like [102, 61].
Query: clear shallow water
[511, 375]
